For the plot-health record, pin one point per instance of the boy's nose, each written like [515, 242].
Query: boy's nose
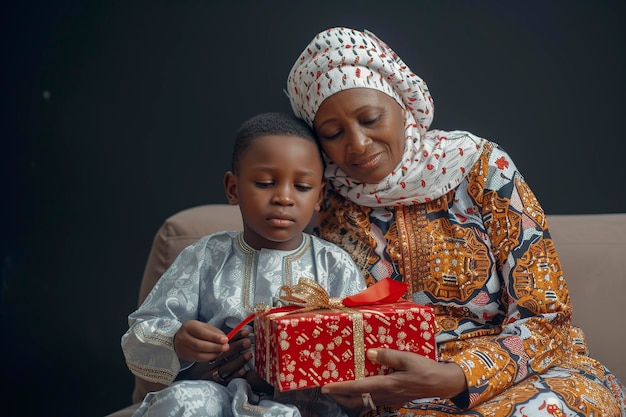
[283, 196]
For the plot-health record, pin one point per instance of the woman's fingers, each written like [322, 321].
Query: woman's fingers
[409, 380]
[397, 360]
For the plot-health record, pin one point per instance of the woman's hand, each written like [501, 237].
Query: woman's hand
[414, 377]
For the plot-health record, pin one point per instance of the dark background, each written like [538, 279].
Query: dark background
[116, 114]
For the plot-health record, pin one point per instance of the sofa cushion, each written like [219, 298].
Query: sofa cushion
[592, 250]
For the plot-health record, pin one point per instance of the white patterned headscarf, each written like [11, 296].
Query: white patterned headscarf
[434, 162]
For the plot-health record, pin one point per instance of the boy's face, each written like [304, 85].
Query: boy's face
[278, 186]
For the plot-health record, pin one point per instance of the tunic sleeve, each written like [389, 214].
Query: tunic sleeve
[148, 344]
[536, 325]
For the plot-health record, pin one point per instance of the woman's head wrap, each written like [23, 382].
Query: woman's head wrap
[342, 58]
[433, 162]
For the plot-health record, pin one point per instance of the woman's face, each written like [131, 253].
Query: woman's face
[362, 131]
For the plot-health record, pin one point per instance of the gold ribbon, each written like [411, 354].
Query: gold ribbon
[311, 296]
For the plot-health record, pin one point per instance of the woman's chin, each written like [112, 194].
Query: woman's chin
[371, 177]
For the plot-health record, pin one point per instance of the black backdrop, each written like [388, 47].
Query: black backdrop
[116, 114]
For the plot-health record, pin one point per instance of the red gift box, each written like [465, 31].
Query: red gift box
[313, 344]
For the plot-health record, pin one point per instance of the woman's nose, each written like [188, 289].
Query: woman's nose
[357, 141]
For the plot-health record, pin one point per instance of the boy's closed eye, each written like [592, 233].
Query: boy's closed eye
[270, 184]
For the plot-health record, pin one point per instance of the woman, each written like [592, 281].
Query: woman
[450, 214]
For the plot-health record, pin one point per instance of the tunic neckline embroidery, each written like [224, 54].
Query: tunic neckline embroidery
[251, 264]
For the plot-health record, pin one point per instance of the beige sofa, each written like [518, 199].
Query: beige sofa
[592, 249]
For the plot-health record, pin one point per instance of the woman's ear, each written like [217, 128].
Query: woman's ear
[231, 189]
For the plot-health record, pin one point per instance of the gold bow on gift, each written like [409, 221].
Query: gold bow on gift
[309, 295]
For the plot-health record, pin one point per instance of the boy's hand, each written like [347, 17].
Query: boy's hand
[196, 341]
[257, 383]
[227, 364]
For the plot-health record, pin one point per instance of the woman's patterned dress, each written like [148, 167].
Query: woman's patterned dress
[482, 255]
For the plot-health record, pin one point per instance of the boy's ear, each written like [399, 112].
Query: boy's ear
[231, 189]
[320, 199]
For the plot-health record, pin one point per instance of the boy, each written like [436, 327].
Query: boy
[276, 178]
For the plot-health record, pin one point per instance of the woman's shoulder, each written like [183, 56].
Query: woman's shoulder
[495, 160]
[494, 170]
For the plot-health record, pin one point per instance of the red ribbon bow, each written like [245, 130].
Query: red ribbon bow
[384, 291]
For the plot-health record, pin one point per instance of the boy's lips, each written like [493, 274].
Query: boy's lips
[281, 220]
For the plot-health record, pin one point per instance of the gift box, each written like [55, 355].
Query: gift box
[307, 345]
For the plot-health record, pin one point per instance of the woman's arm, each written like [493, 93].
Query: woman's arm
[536, 326]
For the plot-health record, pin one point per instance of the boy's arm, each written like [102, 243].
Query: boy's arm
[148, 345]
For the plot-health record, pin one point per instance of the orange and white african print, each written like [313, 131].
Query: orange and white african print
[482, 255]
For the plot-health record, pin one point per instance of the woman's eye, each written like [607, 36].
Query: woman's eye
[370, 121]
[330, 136]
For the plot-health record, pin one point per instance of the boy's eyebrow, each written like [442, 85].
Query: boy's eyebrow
[299, 171]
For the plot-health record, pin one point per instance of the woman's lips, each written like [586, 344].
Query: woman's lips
[369, 162]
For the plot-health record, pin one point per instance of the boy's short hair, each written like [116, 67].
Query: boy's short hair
[266, 124]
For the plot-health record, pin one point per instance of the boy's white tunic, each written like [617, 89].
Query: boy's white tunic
[219, 280]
